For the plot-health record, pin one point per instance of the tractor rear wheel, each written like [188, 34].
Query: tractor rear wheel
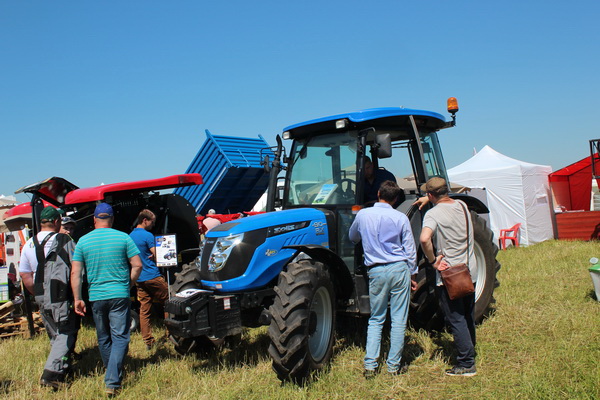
[303, 320]
[425, 311]
[487, 267]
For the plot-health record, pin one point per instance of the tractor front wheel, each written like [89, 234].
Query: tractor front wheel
[188, 278]
[303, 320]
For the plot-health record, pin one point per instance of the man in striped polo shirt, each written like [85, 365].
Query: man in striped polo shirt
[105, 254]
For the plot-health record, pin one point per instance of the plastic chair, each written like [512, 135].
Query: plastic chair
[511, 234]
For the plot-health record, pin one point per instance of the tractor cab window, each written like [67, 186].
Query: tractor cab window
[323, 171]
[432, 154]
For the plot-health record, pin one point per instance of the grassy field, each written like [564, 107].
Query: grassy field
[542, 342]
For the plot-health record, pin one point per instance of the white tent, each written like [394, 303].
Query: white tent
[517, 192]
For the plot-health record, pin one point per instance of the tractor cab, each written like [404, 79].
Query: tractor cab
[330, 158]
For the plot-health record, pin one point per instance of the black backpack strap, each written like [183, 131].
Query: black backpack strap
[41, 259]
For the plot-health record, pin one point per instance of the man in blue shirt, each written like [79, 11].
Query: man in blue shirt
[151, 285]
[391, 259]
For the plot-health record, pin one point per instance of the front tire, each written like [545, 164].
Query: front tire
[303, 320]
[188, 278]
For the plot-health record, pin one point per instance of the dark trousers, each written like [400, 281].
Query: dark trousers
[460, 318]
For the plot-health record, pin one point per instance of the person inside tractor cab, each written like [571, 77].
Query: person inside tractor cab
[68, 226]
[374, 177]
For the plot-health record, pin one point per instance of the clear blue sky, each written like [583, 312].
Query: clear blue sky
[112, 91]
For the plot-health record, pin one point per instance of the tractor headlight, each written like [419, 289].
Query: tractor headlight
[222, 250]
[198, 260]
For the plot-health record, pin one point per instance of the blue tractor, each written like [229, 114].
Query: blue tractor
[296, 269]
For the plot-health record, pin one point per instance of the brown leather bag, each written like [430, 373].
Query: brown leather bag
[457, 278]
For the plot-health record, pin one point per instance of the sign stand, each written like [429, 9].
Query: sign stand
[166, 253]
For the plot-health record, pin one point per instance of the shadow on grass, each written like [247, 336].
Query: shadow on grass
[89, 361]
[5, 386]
[235, 352]
[352, 331]
[592, 295]
[444, 348]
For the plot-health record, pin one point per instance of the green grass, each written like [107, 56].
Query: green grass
[542, 342]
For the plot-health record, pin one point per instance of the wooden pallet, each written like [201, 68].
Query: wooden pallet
[18, 326]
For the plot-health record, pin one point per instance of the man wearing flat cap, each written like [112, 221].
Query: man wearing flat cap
[106, 253]
[448, 225]
[45, 268]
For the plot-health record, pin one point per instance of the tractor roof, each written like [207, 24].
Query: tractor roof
[384, 118]
[58, 191]
[99, 193]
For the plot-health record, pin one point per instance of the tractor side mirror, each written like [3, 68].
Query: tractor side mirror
[266, 163]
[384, 145]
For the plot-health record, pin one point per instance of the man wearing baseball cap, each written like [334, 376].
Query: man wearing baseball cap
[45, 259]
[106, 253]
[68, 226]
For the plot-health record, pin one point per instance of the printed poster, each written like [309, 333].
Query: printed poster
[166, 250]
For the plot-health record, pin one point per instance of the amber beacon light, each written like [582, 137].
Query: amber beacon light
[452, 105]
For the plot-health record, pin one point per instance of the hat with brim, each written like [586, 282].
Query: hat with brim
[49, 214]
[433, 184]
[68, 220]
[103, 211]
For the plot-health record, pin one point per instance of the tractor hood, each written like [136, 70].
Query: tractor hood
[275, 222]
[249, 253]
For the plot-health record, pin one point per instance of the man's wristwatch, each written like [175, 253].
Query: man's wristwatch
[431, 262]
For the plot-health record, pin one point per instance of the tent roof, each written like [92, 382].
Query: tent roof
[489, 159]
[574, 168]
[7, 200]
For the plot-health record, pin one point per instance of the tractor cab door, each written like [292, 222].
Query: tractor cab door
[322, 174]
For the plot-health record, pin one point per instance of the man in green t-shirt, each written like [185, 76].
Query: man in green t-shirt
[105, 254]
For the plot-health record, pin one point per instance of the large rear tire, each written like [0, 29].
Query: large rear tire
[425, 312]
[303, 321]
[487, 280]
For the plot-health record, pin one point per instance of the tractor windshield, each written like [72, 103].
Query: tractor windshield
[323, 171]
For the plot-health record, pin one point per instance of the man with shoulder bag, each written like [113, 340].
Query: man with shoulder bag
[448, 226]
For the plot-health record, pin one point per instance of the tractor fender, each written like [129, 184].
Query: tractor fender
[473, 203]
[342, 280]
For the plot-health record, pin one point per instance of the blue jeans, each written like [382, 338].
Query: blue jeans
[387, 283]
[112, 328]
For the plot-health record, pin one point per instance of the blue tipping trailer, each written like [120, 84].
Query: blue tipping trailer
[234, 178]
